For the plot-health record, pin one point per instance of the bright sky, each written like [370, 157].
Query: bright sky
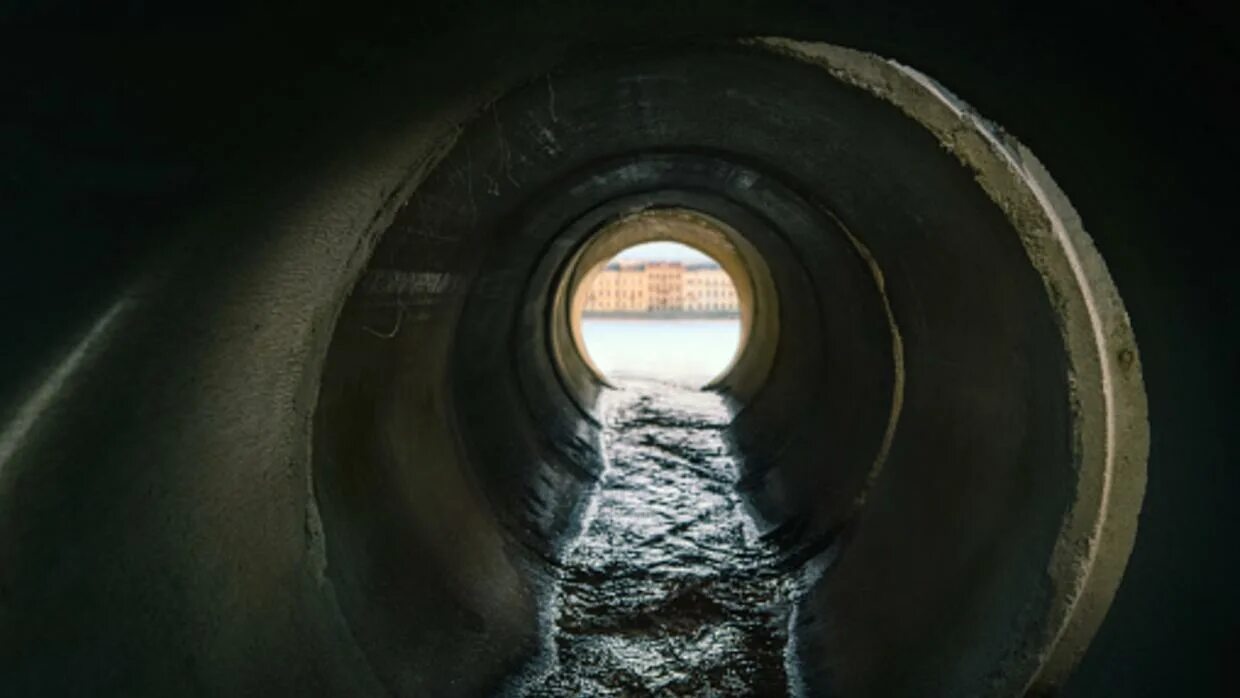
[663, 252]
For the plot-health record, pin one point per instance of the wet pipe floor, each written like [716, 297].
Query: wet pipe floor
[668, 591]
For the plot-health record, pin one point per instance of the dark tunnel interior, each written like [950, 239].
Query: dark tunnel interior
[317, 419]
[924, 310]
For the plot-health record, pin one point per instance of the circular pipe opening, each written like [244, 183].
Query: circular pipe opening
[757, 298]
[661, 311]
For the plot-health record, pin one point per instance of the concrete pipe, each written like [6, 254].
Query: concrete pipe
[383, 424]
[948, 398]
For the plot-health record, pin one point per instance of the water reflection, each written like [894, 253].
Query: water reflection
[668, 591]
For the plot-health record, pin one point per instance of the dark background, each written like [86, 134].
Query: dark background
[120, 122]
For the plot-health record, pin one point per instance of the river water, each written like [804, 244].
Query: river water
[684, 352]
[668, 591]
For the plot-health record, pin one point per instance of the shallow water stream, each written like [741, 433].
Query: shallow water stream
[668, 591]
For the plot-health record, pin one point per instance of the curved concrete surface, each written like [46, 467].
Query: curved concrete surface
[939, 405]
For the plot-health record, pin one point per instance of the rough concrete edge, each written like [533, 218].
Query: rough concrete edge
[35, 417]
[1113, 533]
[897, 364]
[393, 171]
[1096, 540]
[352, 268]
[338, 219]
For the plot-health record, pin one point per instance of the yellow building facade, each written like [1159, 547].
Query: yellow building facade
[656, 287]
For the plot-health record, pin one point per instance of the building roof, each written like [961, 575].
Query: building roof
[641, 266]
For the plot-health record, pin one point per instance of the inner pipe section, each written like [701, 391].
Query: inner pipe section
[938, 409]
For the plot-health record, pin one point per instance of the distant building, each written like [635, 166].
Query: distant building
[665, 285]
[619, 288]
[662, 287]
[708, 288]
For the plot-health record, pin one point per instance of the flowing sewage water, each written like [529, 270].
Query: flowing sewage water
[668, 591]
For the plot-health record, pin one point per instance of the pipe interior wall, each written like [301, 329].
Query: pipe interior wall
[322, 431]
